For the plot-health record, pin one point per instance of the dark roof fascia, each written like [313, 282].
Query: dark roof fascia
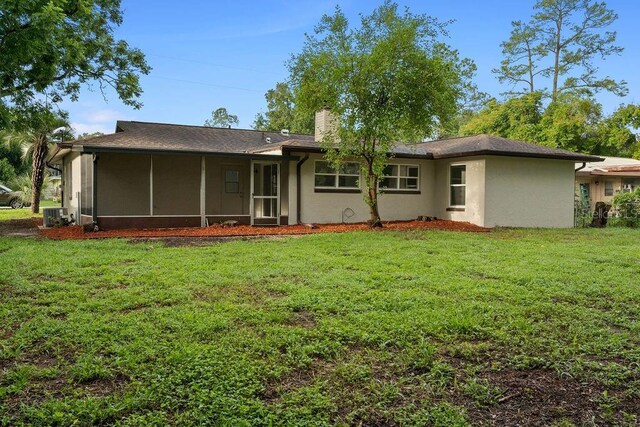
[322, 150]
[90, 149]
[572, 157]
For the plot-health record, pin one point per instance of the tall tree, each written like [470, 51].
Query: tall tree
[388, 81]
[54, 47]
[282, 112]
[33, 130]
[562, 43]
[573, 34]
[221, 118]
[522, 53]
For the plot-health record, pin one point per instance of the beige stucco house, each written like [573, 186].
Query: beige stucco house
[600, 181]
[164, 175]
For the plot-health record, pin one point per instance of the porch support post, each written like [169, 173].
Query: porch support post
[278, 190]
[94, 195]
[251, 200]
[203, 193]
[151, 185]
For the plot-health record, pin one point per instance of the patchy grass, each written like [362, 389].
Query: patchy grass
[512, 327]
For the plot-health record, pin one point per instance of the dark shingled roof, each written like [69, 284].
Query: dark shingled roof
[495, 145]
[199, 139]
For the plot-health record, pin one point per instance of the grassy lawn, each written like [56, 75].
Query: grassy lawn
[364, 328]
[8, 213]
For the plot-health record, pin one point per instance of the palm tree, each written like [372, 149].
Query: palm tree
[34, 130]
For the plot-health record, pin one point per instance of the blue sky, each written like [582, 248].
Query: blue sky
[206, 54]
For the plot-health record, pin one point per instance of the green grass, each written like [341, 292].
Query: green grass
[23, 213]
[365, 328]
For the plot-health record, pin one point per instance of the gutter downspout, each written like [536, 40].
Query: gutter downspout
[575, 218]
[298, 189]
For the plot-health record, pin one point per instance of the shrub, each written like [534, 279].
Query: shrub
[627, 208]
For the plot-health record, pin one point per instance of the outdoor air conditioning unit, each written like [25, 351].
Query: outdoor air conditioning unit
[52, 215]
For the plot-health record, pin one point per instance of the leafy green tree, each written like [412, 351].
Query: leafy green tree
[87, 135]
[517, 118]
[54, 47]
[562, 42]
[388, 81]
[282, 112]
[572, 122]
[7, 172]
[221, 118]
[618, 133]
[34, 130]
[12, 155]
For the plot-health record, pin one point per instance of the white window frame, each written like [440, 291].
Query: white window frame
[612, 188]
[398, 177]
[337, 176]
[451, 166]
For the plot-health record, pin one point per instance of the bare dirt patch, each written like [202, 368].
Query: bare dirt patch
[20, 227]
[240, 293]
[105, 386]
[541, 398]
[303, 319]
[295, 380]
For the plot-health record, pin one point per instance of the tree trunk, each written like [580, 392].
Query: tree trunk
[556, 63]
[530, 55]
[37, 173]
[372, 198]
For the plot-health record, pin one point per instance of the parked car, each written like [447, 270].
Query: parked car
[11, 198]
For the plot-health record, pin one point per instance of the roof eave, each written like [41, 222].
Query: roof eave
[614, 173]
[571, 157]
[117, 150]
[320, 150]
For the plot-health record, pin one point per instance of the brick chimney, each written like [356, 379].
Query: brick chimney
[326, 123]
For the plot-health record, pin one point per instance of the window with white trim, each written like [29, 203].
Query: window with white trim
[347, 176]
[608, 188]
[457, 185]
[400, 177]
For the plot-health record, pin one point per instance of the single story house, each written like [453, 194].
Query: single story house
[599, 182]
[165, 175]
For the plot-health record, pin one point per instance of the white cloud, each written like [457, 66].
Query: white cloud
[80, 128]
[102, 116]
[99, 120]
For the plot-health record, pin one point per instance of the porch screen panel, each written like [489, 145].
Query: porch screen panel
[176, 185]
[123, 184]
[86, 205]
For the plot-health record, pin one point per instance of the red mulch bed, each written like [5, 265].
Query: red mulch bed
[76, 232]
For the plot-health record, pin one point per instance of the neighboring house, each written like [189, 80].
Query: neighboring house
[599, 182]
[53, 188]
[163, 175]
